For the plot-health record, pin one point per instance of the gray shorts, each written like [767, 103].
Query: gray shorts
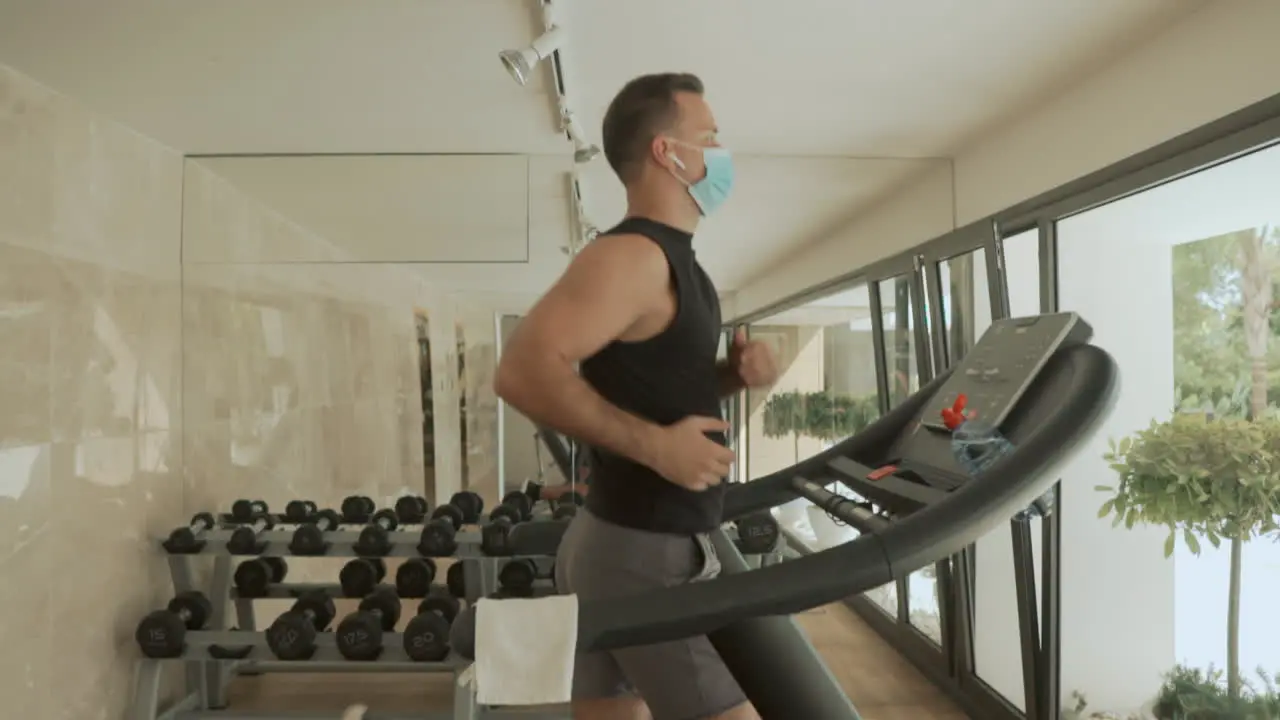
[683, 680]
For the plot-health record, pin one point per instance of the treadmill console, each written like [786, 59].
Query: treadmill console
[920, 468]
[1000, 368]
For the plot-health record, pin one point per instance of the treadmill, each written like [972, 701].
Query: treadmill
[1036, 378]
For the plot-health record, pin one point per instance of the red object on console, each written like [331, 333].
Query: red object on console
[953, 417]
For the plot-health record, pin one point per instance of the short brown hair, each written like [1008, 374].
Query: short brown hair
[641, 110]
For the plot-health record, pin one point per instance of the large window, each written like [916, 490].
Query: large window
[825, 393]
[997, 648]
[1177, 269]
[1179, 283]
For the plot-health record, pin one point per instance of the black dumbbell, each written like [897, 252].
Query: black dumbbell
[509, 512]
[456, 579]
[452, 513]
[565, 512]
[414, 577]
[243, 511]
[254, 578]
[163, 633]
[356, 509]
[308, 538]
[293, 635]
[495, 537]
[190, 540]
[517, 576]
[359, 635]
[758, 533]
[244, 539]
[361, 576]
[411, 509]
[470, 504]
[442, 604]
[440, 536]
[375, 538]
[299, 511]
[533, 491]
[521, 502]
[426, 637]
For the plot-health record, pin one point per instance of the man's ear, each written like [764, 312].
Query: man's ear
[663, 152]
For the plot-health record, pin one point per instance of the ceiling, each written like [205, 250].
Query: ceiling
[830, 104]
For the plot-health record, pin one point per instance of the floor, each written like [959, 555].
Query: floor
[882, 684]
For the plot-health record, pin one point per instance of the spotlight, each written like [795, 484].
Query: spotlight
[520, 62]
[583, 151]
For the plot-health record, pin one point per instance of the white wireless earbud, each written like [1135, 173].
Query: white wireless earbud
[676, 160]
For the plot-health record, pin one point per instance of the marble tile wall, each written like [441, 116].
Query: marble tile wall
[90, 398]
[302, 379]
[136, 389]
[477, 335]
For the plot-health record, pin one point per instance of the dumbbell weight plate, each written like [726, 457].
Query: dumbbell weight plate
[414, 577]
[197, 606]
[438, 539]
[456, 579]
[508, 511]
[322, 608]
[411, 509]
[296, 511]
[242, 510]
[426, 638]
[470, 504]
[162, 634]
[355, 510]
[254, 578]
[446, 606]
[462, 501]
[387, 605]
[757, 533]
[521, 502]
[453, 513]
[360, 576]
[495, 539]
[517, 577]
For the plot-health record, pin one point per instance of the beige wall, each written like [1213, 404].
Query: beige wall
[91, 409]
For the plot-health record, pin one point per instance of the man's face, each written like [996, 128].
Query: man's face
[695, 128]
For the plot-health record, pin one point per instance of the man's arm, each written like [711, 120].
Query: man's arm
[608, 288]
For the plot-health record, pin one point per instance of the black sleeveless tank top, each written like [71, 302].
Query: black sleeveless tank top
[663, 379]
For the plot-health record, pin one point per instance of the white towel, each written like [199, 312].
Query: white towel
[525, 650]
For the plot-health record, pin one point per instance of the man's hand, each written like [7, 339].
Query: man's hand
[753, 361]
[690, 459]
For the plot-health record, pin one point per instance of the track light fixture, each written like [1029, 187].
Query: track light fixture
[520, 63]
[583, 151]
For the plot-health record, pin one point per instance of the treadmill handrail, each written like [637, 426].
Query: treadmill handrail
[770, 491]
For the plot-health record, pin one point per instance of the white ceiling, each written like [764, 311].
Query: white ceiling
[897, 78]
[825, 100]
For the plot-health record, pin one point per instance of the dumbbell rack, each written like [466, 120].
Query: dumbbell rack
[207, 678]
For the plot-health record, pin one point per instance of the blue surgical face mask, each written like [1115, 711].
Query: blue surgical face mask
[712, 190]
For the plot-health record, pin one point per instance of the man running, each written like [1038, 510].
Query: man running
[639, 314]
